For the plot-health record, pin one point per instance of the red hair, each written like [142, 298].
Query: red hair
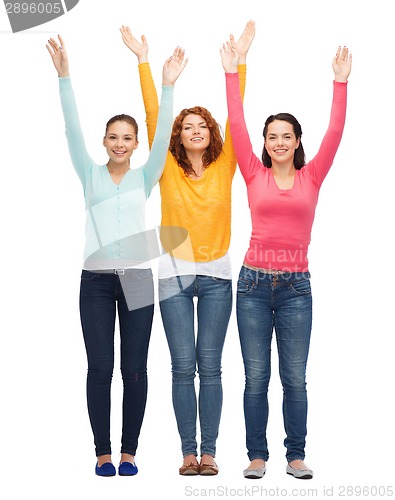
[216, 141]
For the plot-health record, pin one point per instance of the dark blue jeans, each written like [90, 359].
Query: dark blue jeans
[283, 303]
[100, 296]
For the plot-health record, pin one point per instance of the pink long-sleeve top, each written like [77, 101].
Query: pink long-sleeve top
[282, 219]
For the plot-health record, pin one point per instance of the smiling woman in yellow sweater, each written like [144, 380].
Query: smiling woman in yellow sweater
[196, 195]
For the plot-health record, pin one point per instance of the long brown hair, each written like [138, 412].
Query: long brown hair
[299, 158]
[216, 141]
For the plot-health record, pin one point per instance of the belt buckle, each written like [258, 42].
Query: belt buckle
[119, 272]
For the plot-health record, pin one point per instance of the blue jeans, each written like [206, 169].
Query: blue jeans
[214, 305]
[281, 302]
[100, 295]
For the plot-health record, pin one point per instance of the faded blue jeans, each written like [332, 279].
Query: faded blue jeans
[204, 352]
[267, 302]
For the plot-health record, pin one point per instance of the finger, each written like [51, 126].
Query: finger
[181, 54]
[53, 44]
[174, 55]
[337, 55]
[250, 28]
[178, 54]
[61, 42]
[344, 54]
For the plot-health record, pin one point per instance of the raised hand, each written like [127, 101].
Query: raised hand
[174, 66]
[59, 57]
[341, 64]
[244, 42]
[230, 58]
[138, 48]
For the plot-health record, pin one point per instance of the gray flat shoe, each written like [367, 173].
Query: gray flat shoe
[300, 474]
[254, 473]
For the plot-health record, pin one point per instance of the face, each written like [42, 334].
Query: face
[195, 134]
[281, 141]
[120, 141]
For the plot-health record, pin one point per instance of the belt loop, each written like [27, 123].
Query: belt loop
[256, 277]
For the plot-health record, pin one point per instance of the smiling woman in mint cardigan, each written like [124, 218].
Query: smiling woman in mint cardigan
[116, 274]
[273, 290]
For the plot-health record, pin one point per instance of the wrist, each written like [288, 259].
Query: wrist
[143, 58]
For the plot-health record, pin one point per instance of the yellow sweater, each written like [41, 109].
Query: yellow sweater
[201, 206]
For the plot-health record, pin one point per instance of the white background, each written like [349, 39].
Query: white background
[46, 443]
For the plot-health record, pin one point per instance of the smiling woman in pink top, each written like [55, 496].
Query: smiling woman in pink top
[273, 290]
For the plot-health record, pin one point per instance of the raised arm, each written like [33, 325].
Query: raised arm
[78, 153]
[249, 164]
[242, 46]
[148, 90]
[172, 69]
[319, 166]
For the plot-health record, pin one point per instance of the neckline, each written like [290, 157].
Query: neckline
[192, 179]
[112, 180]
[284, 189]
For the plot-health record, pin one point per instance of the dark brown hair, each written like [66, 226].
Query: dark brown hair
[299, 158]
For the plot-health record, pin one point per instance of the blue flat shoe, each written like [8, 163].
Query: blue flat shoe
[105, 470]
[127, 469]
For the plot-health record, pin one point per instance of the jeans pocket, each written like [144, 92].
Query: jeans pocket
[244, 286]
[220, 280]
[144, 274]
[88, 275]
[301, 287]
[167, 281]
